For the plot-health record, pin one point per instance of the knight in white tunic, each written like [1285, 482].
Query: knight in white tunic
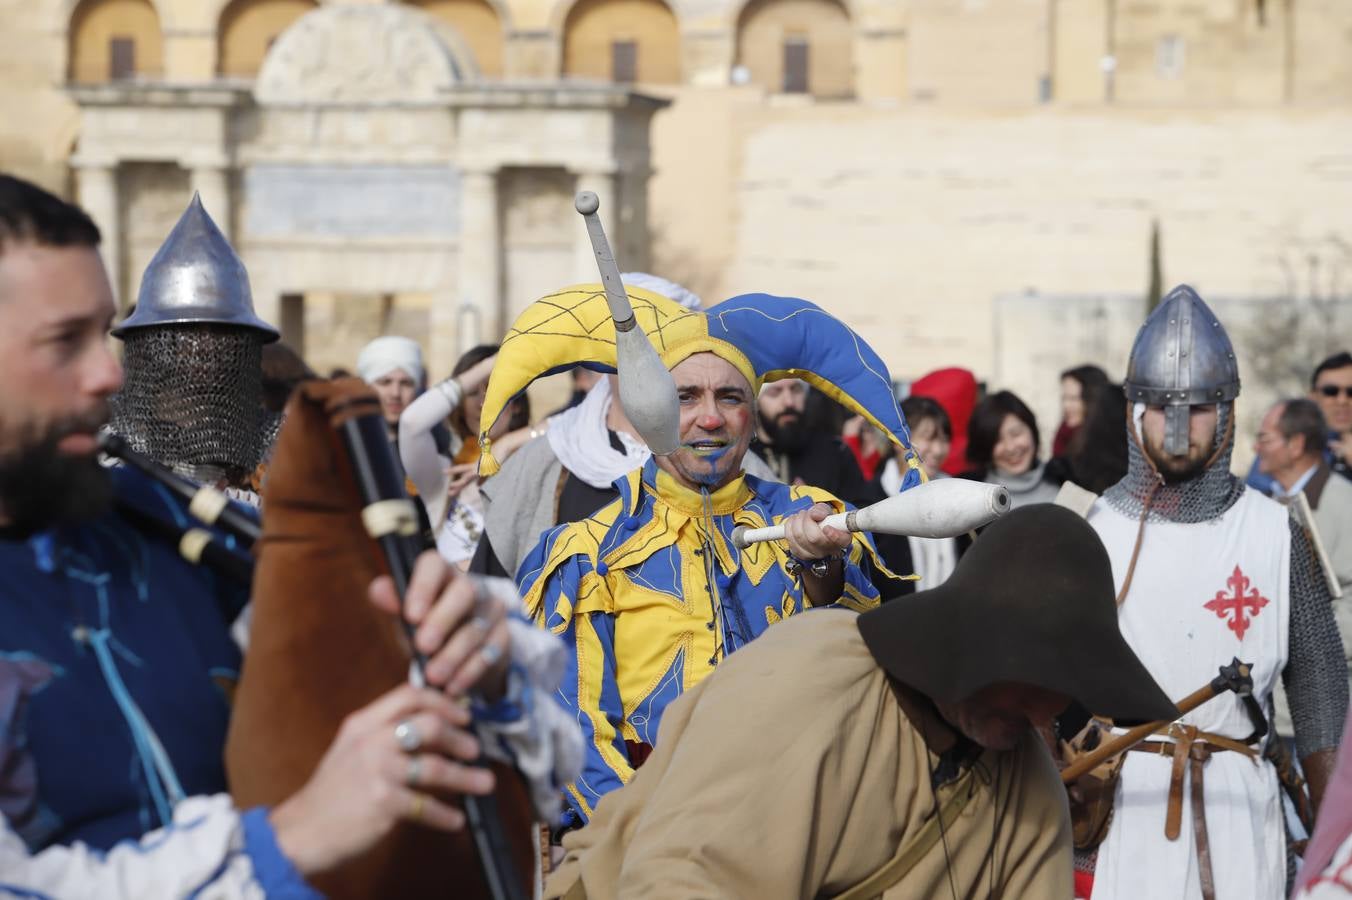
[1207, 571]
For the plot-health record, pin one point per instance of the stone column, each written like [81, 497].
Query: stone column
[633, 252]
[212, 184]
[479, 279]
[604, 185]
[97, 185]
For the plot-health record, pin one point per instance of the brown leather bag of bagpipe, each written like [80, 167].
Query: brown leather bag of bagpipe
[319, 651]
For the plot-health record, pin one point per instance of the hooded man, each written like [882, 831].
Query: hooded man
[890, 754]
[650, 590]
[1207, 570]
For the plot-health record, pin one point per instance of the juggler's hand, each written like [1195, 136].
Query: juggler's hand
[808, 539]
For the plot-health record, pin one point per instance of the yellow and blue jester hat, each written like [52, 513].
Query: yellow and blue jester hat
[764, 337]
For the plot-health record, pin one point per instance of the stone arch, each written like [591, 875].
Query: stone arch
[622, 40]
[362, 54]
[481, 24]
[246, 30]
[110, 40]
[798, 46]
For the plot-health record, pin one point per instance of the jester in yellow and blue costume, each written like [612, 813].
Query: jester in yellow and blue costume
[650, 591]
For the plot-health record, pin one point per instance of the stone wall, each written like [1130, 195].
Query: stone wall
[911, 223]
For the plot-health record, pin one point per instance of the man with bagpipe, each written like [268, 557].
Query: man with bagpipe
[1205, 570]
[117, 664]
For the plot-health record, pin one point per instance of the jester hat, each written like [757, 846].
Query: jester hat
[764, 337]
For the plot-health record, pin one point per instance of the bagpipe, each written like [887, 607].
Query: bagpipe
[222, 535]
[336, 517]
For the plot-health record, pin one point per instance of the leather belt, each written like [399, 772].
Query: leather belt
[1191, 748]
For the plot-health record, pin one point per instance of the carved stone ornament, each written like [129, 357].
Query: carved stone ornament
[362, 54]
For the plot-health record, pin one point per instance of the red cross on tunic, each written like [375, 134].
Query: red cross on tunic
[1239, 603]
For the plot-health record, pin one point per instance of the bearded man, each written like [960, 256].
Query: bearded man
[1205, 571]
[650, 590]
[116, 656]
[801, 454]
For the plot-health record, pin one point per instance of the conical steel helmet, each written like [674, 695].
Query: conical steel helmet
[1182, 358]
[195, 278]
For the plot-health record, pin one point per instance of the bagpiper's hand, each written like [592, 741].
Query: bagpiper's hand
[398, 759]
[808, 539]
[460, 626]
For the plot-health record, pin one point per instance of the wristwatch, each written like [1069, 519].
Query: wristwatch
[818, 567]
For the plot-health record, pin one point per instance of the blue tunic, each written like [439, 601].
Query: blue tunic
[115, 658]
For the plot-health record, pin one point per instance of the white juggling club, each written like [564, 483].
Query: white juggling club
[647, 390]
[936, 509]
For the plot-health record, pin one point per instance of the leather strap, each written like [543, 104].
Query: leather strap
[1190, 749]
[1199, 754]
[1173, 819]
[916, 846]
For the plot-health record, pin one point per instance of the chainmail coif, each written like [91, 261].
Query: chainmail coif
[1195, 500]
[192, 399]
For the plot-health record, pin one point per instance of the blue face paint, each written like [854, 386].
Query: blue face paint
[711, 457]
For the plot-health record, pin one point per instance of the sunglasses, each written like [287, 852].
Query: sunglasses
[1332, 390]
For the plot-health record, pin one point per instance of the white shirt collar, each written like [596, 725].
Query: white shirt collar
[1300, 483]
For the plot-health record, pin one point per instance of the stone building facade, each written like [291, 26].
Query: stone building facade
[971, 182]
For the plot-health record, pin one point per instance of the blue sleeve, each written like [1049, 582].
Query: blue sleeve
[276, 875]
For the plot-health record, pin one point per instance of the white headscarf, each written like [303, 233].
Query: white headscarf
[385, 354]
[581, 441]
[669, 289]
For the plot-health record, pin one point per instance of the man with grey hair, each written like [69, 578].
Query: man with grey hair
[1290, 447]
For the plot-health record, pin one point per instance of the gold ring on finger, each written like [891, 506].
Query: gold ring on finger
[415, 812]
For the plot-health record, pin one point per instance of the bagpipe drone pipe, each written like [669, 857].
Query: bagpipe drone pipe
[319, 651]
